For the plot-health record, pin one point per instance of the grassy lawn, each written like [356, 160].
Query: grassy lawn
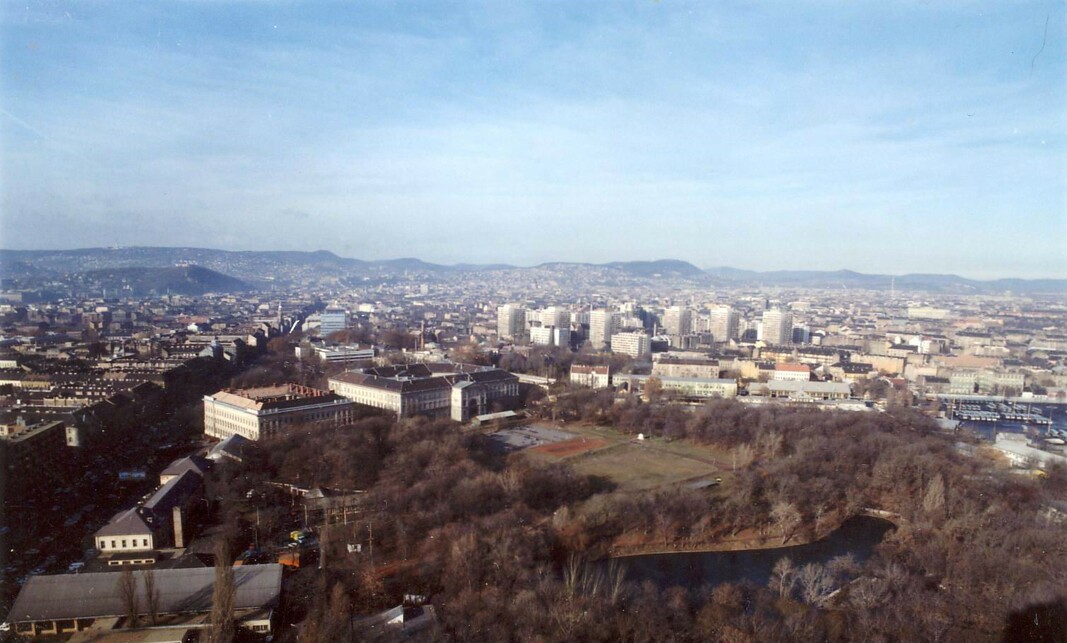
[637, 466]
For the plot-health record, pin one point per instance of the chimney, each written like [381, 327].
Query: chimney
[179, 540]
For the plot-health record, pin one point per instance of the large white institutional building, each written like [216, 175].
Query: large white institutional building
[254, 413]
[458, 391]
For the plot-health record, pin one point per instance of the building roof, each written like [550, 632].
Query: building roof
[268, 398]
[129, 522]
[174, 492]
[96, 595]
[666, 379]
[398, 623]
[793, 368]
[194, 463]
[410, 380]
[582, 369]
[235, 446]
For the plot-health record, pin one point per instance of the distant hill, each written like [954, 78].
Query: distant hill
[188, 280]
[659, 268]
[662, 268]
[250, 269]
[916, 281]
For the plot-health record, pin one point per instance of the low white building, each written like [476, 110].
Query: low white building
[801, 391]
[337, 354]
[691, 388]
[698, 366]
[1021, 454]
[595, 377]
[791, 373]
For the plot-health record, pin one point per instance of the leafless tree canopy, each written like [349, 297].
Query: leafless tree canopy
[128, 593]
[151, 595]
[222, 597]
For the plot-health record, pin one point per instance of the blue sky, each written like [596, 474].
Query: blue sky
[880, 137]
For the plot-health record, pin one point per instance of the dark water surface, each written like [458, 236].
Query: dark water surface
[857, 536]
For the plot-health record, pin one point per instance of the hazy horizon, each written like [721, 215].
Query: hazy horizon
[891, 139]
[704, 267]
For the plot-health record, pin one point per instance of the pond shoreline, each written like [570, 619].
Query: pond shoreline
[755, 543]
[857, 535]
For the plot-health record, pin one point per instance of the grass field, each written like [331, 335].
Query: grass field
[637, 467]
[569, 448]
[632, 465]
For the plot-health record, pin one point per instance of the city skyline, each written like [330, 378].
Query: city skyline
[893, 139]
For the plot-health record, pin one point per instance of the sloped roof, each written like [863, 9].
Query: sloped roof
[96, 595]
[193, 463]
[235, 446]
[174, 493]
[582, 369]
[129, 522]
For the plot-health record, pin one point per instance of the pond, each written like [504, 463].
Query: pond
[858, 535]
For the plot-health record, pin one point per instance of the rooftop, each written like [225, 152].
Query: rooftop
[273, 397]
[96, 595]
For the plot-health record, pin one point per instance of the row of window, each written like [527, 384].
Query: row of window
[133, 541]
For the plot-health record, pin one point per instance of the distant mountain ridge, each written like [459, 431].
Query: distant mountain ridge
[183, 280]
[912, 281]
[254, 268]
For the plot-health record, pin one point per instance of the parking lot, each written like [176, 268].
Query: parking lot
[532, 435]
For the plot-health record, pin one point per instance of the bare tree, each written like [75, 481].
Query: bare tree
[934, 500]
[742, 456]
[325, 537]
[770, 443]
[816, 585]
[128, 593]
[616, 581]
[786, 517]
[151, 595]
[654, 389]
[337, 624]
[783, 576]
[223, 597]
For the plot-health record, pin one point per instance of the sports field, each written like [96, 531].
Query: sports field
[631, 464]
[571, 447]
[636, 466]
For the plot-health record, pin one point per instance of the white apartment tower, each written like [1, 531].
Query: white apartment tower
[632, 344]
[678, 320]
[722, 323]
[602, 324]
[550, 336]
[777, 326]
[556, 316]
[510, 321]
[332, 319]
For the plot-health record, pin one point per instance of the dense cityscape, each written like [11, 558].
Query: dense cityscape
[314, 436]
[533, 322]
